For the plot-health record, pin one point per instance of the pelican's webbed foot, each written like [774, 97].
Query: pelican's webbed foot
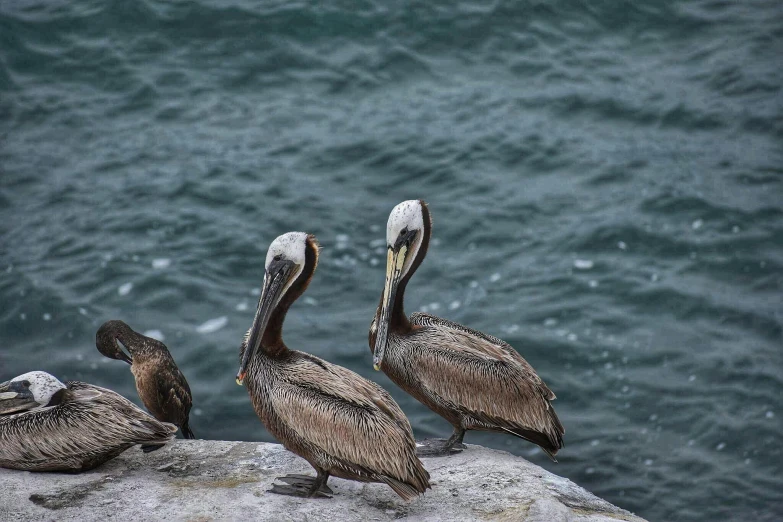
[303, 486]
[437, 448]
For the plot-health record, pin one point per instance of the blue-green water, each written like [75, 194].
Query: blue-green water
[604, 178]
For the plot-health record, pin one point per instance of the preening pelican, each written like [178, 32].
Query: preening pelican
[473, 380]
[342, 424]
[46, 425]
[161, 386]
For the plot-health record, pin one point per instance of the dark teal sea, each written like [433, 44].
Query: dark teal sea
[605, 179]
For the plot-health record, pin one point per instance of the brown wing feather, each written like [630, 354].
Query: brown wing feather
[351, 419]
[484, 376]
[90, 426]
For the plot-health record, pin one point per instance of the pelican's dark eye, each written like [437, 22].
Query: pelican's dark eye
[278, 257]
[26, 384]
[404, 231]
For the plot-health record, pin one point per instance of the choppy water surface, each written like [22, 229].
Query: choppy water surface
[604, 178]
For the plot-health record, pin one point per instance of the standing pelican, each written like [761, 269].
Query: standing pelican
[473, 380]
[342, 424]
[161, 386]
[48, 426]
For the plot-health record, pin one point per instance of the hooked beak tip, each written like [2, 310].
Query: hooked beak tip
[241, 378]
[376, 366]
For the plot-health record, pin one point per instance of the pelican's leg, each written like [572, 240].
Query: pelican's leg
[304, 486]
[440, 447]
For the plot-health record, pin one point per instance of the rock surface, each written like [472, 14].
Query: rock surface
[212, 480]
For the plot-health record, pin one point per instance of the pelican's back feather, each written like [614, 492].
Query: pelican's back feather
[88, 427]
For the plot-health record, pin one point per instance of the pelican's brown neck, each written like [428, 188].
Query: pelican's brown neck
[272, 340]
[398, 321]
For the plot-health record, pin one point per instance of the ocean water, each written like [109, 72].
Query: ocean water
[605, 180]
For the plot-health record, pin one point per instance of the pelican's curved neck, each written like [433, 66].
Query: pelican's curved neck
[272, 340]
[398, 321]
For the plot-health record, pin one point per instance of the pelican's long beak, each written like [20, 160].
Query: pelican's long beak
[275, 282]
[15, 397]
[121, 355]
[395, 261]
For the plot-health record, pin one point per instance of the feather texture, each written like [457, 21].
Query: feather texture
[90, 426]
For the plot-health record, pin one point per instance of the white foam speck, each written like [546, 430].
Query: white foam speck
[93, 366]
[213, 325]
[474, 284]
[241, 307]
[572, 337]
[735, 229]
[721, 446]
[747, 461]
[377, 243]
[454, 305]
[770, 414]
[135, 258]
[374, 261]
[494, 278]
[9, 269]
[583, 264]
[691, 378]
[625, 389]
[696, 225]
[155, 334]
[433, 306]
[590, 471]
[512, 328]
[197, 412]
[310, 301]
[47, 317]
[255, 291]
[595, 442]
[653, 417]
[621, 245]
[550, 321]
[342, 238]
[82, 311]
[691, 442]
[161, 263]
[593, 283]
[653, 277]
[608, 366]
[22, 316]
[125, 289]
[79, 357]
[648, 462]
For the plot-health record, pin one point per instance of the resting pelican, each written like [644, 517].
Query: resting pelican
[161, 386]
[48, 426]
[473, 380]
[342, 424]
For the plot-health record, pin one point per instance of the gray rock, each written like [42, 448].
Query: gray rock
[212, 480]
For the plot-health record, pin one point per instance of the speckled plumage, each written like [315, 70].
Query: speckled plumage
[159, 382]
[341, 423]
[89, 426]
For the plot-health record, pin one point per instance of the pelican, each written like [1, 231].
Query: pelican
[161, 386]
[342, 424]
[473, 380]
[46, 425]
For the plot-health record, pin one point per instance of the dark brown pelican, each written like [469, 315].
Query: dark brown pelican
[161, 386]
[473, 380]
[342, 424]
[46, 425]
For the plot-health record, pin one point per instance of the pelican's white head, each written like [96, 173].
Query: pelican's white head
[405, 232]
[407, 237]
[288, 247]
[285, 263]
[28, 391]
